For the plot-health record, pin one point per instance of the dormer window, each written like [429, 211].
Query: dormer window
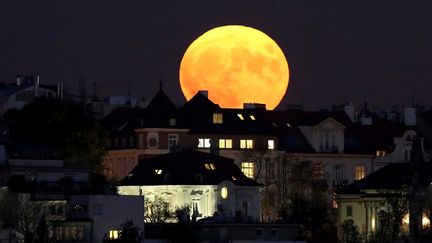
[240, 116]
[172, 121]
[270, 144]
[204, 143]
[380, 153]
[225, 143]
[252, 117]
[217, 118]
[209, 166]
[246, 144]
[158, 171]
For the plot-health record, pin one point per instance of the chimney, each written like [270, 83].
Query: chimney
[36, 85]
[410, 116]
[18, 80]
[203, 92]
[349, 110]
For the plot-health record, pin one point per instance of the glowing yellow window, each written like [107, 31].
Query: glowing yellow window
[360, 171]
[217, 118]
[225, 143]
[248, 169]
[380, 153]
[209, 166]
[204, 143]
[158, 171]
[270, 144]
[252, 117]
[246, 144]
[240, 116]
[114, 234]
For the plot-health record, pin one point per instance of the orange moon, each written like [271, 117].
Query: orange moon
[236, 64]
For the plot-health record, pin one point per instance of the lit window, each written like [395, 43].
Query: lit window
[158, 171]
[225, 143]
[234, 178]
[252, 117]
[217, 118]
[203, 142]
[288, 124]
[380, 153]
[248, 169]
[209, 166]
[224, 192]
[114, 234]
[271, 144]
[360, 171]
[172, 140]
[246, 144]
[240, 116]
[172, 121]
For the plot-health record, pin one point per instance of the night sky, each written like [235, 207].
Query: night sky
[337, 51]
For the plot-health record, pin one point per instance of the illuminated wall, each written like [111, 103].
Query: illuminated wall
[225, 198]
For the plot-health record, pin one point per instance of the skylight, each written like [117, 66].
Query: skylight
[240, 116]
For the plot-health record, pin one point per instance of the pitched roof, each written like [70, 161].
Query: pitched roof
[396, 175]
[187, 167]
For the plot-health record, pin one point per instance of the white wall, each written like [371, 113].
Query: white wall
[108, 212]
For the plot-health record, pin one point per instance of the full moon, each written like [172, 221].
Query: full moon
[236, 64]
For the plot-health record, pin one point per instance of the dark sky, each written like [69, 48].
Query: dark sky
[337, 51]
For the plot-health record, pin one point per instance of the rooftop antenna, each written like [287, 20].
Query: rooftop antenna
[129, 101]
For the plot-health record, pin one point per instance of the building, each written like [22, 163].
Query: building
[261, 142]
[209, 185]
[399, 187]
[25, 90]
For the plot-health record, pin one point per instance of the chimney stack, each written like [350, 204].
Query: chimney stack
[18, 80]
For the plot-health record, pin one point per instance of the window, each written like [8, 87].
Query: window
[224, 192]
[274, 234]
[240, 116]
[58, 233]
[246, 143]
[248, 169]
[259, 234]
[360, 171]
[209, 166]
[158, 171]
[225, 143]
[203, 142]
[74, 233]
[349, 211]
[217, 118]
[252, 117]
[270, 144]
[338, 173]
[380, 153]
[172, 121]
[114, 234]
[172, 140]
